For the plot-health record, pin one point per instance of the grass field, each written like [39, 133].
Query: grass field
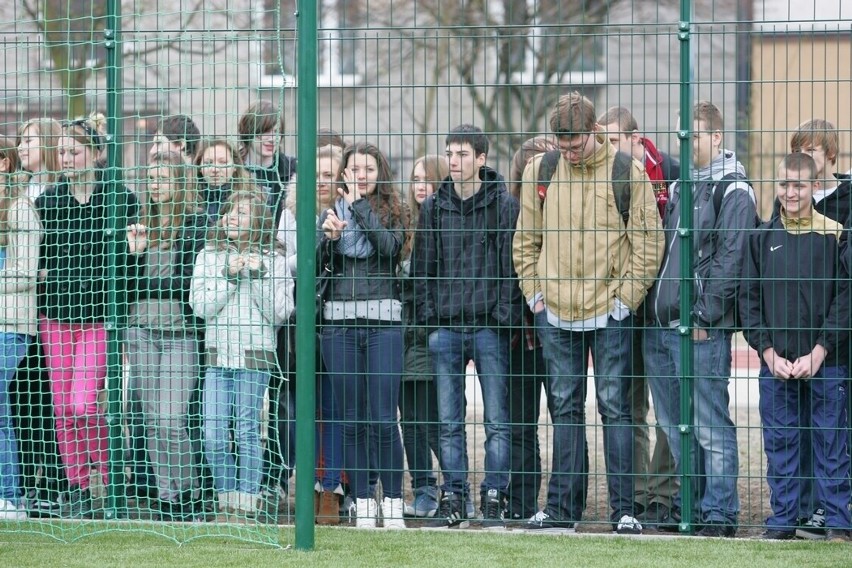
[421, 548]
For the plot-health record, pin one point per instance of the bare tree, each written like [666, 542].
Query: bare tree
[73, 32]
[529, 52]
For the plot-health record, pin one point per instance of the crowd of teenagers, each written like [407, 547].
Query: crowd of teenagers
[574, 257]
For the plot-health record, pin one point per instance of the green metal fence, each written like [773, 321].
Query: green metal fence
[400, 75]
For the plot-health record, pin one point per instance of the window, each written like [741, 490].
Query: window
[339, 40]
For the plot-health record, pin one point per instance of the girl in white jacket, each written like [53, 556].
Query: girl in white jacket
[241, 287]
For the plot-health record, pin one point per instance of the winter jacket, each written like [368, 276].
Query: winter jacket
[795, 288]
[74, 253]
[19, 269]
[371, 278]
[718, 243]
[417, 359]
[162, 296]
[274, 181]
[574, 247]
[242, 312]
[462, 260]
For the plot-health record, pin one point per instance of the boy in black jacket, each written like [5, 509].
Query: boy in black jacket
[800, 256]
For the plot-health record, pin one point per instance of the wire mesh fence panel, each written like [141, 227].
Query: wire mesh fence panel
[518, 325]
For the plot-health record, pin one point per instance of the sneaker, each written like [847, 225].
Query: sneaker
[245, 504]
[451, 513]
[814, 527]
[227, 501]
[366, 511]
[628, 524]
[717, 530]
[671, 522]
[778, 534]
[392, 513]
[654, 514]
[79, 504]
[10, 512]
[837, 535]
[425, 502]
[544, 521]
[493, 506]
[39, 504]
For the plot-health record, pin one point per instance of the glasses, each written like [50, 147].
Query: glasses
[577, 147]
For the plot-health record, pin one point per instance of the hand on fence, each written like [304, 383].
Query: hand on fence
[137, 238]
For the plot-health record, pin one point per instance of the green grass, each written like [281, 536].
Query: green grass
[350, 548]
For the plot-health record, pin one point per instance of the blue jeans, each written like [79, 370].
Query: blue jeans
[715, 432]
[567, 356]
[451, 350]
[13, 347]
[237, 393]
[781, 401]
[330, 435]
[364, 365]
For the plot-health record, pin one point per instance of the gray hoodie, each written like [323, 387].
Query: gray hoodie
[718, 242]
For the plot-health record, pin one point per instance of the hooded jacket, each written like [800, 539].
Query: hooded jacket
[462, 267]
[718, 244]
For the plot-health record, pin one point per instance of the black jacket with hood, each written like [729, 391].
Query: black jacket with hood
[462, 261]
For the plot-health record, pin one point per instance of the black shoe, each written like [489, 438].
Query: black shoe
[79, 504]
[545, 521]
[778, 534]
[40, 504]
[718, 530]
[814, 527]
[671, 522]
[493, 506]
[654, 514]
[837, 535]
[451, 512]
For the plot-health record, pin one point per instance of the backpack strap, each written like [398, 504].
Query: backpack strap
[546, 169]
[621, 183]
[721, 187]
[621, 166]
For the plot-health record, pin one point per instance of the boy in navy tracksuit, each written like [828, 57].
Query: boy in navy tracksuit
[794, 305]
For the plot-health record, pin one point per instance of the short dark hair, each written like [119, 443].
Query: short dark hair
[181, 127]
[469, 134]
[800, 162]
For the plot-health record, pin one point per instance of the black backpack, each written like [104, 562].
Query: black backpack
[620, 179]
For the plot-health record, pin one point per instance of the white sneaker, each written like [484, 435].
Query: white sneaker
[9, 512]
[227, 501]
[366, 511]
[628, 525]
[245, 503]
[392, 513]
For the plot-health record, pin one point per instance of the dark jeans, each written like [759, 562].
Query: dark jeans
[32, 412]
[418, 410]
[451, 350]
[365, 366]
[780, 402]
[567, 356]
[527, 376]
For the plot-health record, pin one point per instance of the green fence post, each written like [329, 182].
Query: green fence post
[306, 29]
[115, 505]
[686, 277]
